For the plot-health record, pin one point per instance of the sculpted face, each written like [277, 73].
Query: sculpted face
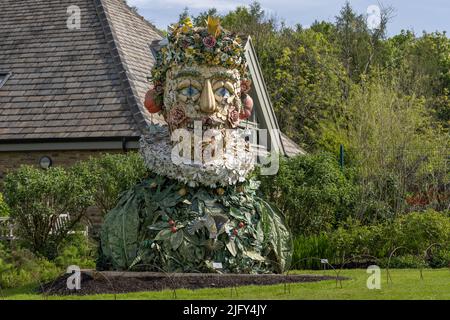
[210, 94]
[201, 86]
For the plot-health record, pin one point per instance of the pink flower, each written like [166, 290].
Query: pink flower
[246, 86]
[209, 41]
[176, 116]
[233, 117]
[185, 43]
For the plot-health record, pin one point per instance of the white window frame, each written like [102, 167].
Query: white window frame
[6, 76]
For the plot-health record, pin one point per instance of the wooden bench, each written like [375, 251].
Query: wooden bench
[63, 219]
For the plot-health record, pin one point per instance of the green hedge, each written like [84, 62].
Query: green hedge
[21, 267]
[312, 191]
[110, 175]
[37, 198]
[412, 234]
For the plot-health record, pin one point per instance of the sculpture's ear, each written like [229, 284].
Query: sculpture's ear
[156, 45]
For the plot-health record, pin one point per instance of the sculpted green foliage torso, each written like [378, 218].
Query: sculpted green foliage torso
[159, 225]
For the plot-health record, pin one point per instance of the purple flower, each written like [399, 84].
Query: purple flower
[209, 41]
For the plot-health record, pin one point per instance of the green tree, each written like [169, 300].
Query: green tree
[4, 209]
[111, 174]
[392, 143]
[37, 198]
[312, 192]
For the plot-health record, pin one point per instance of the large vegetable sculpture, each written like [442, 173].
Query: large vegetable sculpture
[197, 211]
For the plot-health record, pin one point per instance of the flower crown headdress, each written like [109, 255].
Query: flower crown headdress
[186, 44]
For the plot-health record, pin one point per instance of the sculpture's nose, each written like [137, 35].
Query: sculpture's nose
[207, 100]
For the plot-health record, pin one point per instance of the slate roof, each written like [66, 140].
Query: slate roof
[73, 83]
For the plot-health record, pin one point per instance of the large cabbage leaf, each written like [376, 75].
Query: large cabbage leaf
[276, 233]
[120, 232]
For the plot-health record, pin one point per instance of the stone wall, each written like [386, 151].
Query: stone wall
[65, 158]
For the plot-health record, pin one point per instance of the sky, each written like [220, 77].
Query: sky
[416, 15]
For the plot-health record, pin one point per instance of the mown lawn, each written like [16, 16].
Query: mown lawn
[406, 284]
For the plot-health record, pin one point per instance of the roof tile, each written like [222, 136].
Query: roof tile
[70, 83]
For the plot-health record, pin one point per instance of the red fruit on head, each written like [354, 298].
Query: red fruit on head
[150, 103]
[248, 102]
[171, 222]
[173, 229]
[235, 232]
[241, 225]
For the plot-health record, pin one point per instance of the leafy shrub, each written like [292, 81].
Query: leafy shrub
[412, 234]
[4, 209]
[110, 175]
[76, 250]
[419, 230]
[21, 267]
[439, 258]
[352, 239]
[38, 197]
[406, 261]
[312, 191]
[309, 249]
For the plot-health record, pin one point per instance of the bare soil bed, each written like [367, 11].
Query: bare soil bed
[93, 282]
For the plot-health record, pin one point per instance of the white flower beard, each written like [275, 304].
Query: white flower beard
[226, 169]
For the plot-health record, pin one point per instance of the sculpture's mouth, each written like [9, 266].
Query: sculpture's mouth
[207, 123]
[203, 143]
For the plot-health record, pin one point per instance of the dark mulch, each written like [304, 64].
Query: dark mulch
[113, 282]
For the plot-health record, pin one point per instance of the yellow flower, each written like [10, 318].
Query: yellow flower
[213, 25]
[186, 25]
[190, 51]
[187, 22]
[185, 29]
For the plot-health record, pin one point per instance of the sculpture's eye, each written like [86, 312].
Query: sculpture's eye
[189, 91]
[223, 92]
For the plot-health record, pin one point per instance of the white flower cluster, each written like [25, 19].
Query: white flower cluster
[230, 168]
